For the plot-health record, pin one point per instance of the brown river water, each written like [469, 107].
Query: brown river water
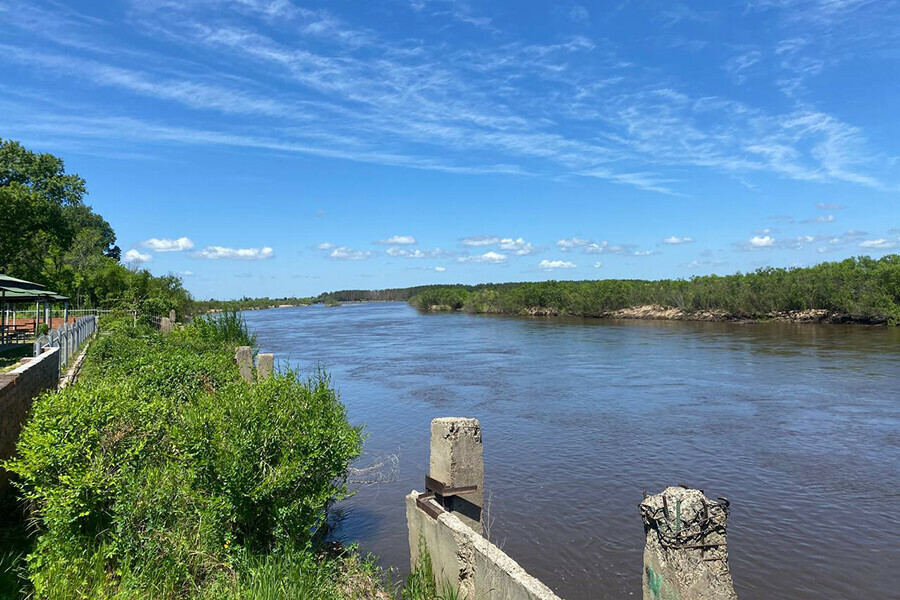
[798, 425]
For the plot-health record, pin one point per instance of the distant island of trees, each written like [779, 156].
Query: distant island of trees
[860, 290]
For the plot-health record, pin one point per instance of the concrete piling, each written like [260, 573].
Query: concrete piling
[243, 357]
[165, 324]
[457, 461]
[685, 548]
[265, 366]
[172, 316]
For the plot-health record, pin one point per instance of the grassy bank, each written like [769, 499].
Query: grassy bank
[854, 290]
[162, 474]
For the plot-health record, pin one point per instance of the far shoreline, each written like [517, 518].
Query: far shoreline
[662, 313]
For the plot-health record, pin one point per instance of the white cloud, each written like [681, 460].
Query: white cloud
[136, 257]
[762, 241]
[480, 240]
[487, 257]
[598, 264]
[518, 247]
[879, 244]
[325, 246]
[414, 253]
[571, 243]
[398, 240]
[829, 206]
[440, 269]
[345, 253]
[167, 245]
[186, 273]
[224, 252]
[642, 253]
[549, 265]
[604, 247]
[675, 240]
[822, 219]
[595, 248]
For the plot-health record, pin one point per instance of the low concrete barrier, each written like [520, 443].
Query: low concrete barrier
[446, 521]
[685, 552]
[18, 389]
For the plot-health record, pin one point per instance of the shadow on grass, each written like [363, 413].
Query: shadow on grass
[15, 544]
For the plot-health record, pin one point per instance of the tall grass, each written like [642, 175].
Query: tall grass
[226, 327]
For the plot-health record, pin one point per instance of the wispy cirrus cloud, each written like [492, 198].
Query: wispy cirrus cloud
[424, 105]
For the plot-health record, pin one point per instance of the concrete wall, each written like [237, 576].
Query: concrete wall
[465, 560]
[18, 389]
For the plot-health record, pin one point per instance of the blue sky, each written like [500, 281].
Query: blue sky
[273, 147]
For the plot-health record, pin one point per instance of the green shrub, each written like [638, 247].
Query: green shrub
[161, 470]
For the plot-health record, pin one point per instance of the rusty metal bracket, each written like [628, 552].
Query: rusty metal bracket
[433, 485]
[432, 510]
[435, 490]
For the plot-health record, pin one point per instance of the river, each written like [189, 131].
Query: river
[798, 425]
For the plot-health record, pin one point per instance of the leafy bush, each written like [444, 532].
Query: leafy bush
[162, 473]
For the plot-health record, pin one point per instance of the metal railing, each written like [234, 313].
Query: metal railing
[68, 338]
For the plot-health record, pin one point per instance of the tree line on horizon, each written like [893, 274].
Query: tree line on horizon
[861, 289]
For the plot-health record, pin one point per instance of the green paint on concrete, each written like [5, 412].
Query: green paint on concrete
[654, 582]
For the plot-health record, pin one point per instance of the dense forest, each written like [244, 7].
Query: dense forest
[50, 236]
[856, 289]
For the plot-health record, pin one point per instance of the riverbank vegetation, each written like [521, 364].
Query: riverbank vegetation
[855, 290]
[161, 473]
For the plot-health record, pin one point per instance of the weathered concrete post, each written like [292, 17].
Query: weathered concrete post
[457, 461]
[244, 359]
[172, 315]
[685, 550]
[165, 324]
[265, 366]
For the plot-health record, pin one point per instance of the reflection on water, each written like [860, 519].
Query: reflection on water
[799, 425]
